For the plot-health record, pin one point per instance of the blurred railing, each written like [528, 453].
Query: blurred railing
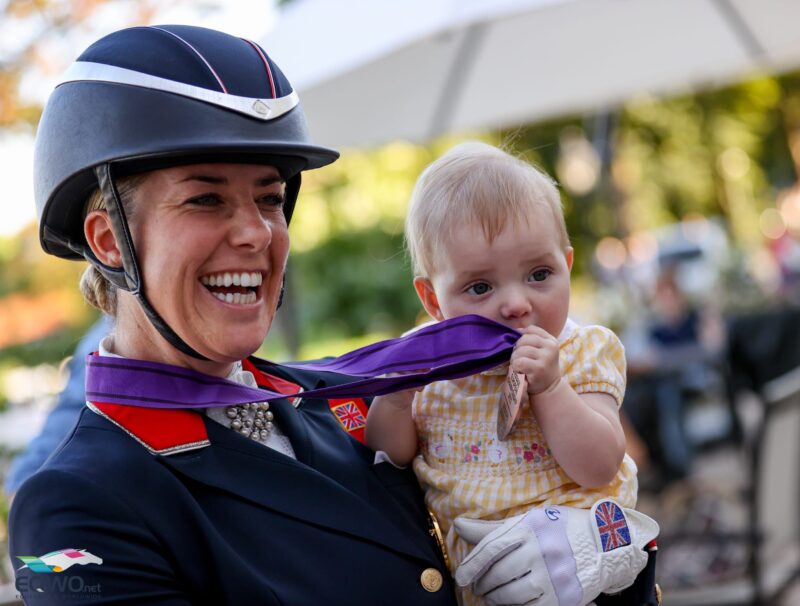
[764, 358]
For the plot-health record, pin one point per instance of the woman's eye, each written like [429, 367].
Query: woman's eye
[275, 201]
[481, 288]
[540, 275]
[204, 200]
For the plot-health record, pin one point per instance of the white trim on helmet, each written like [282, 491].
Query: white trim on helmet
[263, 109]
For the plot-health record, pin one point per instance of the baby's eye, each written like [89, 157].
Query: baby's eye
[539, 275]
[481, 288]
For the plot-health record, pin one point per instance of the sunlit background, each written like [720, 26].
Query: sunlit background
[701, 174]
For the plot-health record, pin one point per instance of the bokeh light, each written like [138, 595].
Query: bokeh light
[611, 253]
[771, 223]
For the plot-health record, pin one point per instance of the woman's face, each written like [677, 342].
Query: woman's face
[212, 244]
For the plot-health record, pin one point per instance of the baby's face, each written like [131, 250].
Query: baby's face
[519, 279]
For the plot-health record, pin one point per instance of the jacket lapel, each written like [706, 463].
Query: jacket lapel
[316, 436]
[277, 482]
[291, 424]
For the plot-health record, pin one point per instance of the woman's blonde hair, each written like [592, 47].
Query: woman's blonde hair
[97, 291]
[473, 182]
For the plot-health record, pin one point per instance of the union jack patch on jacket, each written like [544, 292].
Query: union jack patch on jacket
[352, 416]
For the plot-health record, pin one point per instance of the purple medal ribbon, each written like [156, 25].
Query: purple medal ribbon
[446, 350]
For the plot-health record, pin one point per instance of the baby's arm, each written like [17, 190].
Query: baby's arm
[390, 426]
[583, 431]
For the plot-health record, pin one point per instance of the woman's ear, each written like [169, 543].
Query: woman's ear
[428, 297]
[99, 235]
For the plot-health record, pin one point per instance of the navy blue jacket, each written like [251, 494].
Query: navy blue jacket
[184, 511]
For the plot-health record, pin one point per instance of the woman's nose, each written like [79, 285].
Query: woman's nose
[250, 229]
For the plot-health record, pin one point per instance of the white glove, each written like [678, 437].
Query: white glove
[555, 556]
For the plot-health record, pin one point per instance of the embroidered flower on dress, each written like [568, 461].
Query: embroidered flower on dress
[472, 452]
[533, 453]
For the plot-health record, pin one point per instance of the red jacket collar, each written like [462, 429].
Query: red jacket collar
[164, 431]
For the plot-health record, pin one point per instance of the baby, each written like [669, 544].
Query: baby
[487, 236]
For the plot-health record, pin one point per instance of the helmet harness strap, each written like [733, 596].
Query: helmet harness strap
[291, 193]
[129, 277]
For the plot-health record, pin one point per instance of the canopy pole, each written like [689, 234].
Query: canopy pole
[741, 30]
[468, 48]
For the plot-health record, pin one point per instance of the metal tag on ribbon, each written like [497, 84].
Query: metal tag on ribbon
[451, 349]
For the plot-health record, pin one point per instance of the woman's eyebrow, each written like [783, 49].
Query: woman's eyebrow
[214, 180]
[269, 180]
[205, 179]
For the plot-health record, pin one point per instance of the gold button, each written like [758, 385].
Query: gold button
[658, 594]
[431, 580]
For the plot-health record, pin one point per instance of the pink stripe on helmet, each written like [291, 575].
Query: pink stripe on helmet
[202, 58]
[266, 66]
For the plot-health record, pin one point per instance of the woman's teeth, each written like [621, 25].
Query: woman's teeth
[238, 288]
[246, 279]
[236, 298]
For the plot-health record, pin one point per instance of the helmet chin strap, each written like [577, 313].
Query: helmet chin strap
[129, 277]
[283, 292]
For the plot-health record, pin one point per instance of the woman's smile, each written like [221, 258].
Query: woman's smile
[220, 232]
[234, 287]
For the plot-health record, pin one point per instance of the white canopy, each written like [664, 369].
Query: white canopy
[371, 71]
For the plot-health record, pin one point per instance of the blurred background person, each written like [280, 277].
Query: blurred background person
[679, 360]
[65, 413]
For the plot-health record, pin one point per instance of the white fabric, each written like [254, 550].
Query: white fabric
[276, 440]
[471, 65]
[549, 525]
[263, 109]
[382, 457]
[507, 566]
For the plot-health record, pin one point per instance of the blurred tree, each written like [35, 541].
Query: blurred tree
[648, 163]
[720, 153]
[353, 284]
[36, 37]
[41, 311]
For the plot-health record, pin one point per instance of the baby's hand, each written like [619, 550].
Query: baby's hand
[536, 356]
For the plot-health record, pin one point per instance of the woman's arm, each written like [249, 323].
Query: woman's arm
[58, 510]
[390, 426]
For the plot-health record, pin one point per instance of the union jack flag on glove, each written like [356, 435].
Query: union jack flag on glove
[589, 552]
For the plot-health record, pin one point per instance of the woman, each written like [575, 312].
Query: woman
[170, 159]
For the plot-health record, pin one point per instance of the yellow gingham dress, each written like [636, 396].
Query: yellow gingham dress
[467, 471]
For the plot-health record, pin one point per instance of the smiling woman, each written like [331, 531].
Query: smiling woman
[170, 160]
[195, 225]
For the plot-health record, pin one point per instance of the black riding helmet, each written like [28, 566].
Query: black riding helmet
[146, 98]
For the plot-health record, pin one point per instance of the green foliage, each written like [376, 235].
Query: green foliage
[24, 267]
[352, 284]
[51, 349]
[725, 153]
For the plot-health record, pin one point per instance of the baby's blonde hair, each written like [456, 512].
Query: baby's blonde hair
[475, 182]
